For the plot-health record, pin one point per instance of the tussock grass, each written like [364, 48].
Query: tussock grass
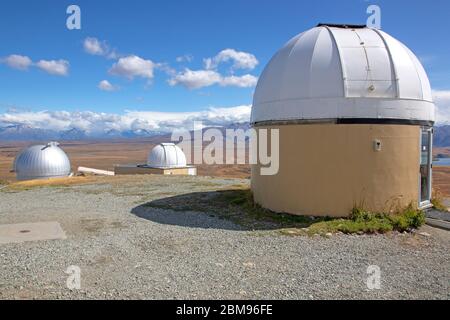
[438, 201]
[361, 220]
[54, 182]
[113, 181]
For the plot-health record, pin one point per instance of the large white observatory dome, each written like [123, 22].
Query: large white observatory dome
[166, 155]
[41, 162]
[341, 72]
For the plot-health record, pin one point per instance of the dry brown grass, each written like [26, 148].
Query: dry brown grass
[93, 154]
[441, 180]
[441, 150]
[55, 182]
[438, 200]
[105, 154]
[114, 181]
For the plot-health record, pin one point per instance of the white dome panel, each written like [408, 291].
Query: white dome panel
[295, 82]
[424, 81]
[325, 68]
[409, 83]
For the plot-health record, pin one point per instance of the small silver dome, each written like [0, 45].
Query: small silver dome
[166, 155]
[42, 162]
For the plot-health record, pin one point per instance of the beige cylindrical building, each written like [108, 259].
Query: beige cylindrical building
[354, 111]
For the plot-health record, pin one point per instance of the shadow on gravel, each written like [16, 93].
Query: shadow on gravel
[187, 219]
[225, 209]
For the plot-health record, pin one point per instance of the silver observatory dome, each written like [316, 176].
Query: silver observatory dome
[42, 162]
[167, 155]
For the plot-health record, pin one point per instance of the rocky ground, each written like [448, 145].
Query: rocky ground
[126, 249]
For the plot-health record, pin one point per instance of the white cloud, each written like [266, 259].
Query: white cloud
[98, 48]
[205, 78]
[442, 102]
[54, 67]
[133, 66]
[210, 75]
[196, 79]
[94, 46]
[240, 59]
[185, 58]
[97, 123]
[19, 62]
[164, 66]
[245, 81]
[105, 85]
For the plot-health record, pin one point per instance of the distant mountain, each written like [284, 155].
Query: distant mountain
[442, 136]
[128, 134]
[140, 133]
[28, 133]
[112, 134]
[73, 134]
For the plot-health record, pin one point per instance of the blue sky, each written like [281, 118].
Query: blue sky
[162, 31]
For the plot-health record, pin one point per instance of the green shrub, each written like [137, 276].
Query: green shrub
[409, 218]
[406, 219]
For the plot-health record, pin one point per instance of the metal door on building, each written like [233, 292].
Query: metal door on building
[426, 158]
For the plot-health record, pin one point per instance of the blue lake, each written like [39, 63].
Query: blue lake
[442, 162]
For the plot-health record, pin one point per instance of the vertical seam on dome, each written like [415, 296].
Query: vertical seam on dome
[344, 76]
[414, 63]
[311, 61]
[391, 59]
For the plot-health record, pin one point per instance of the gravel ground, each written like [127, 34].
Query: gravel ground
[162, 254]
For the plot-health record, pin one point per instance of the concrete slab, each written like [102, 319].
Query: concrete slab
[23, 232]
[438, 223]
[440, 215]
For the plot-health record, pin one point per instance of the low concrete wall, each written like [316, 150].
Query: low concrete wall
[327, 169]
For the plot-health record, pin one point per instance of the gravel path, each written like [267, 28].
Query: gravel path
[161, 254]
